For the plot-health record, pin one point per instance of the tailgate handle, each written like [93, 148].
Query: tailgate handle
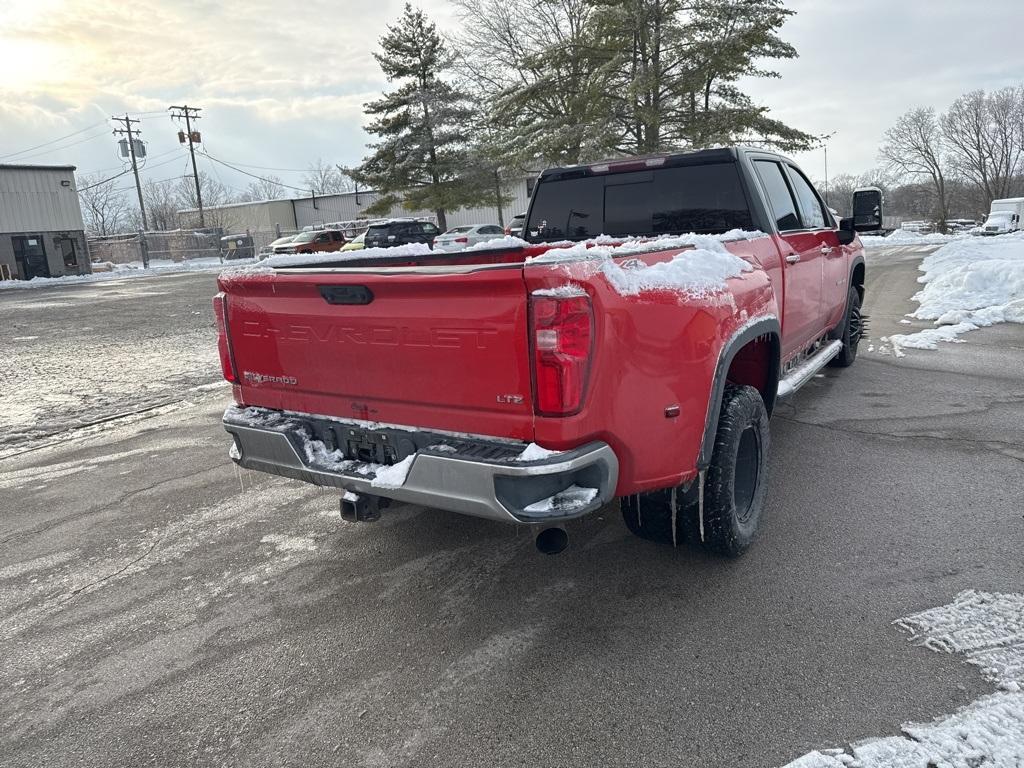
[346, 294]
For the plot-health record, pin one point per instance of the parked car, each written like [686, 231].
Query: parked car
[539, 383]
[515, 227]
[400, 232]
[313, 241]
[457, 238]
[356, 243]
[268, 249]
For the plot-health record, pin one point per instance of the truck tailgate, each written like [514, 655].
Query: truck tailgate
[440, 349]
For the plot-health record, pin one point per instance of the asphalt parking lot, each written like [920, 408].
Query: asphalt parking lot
[160, 607]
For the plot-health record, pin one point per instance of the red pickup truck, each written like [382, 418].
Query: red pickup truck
[633, 346]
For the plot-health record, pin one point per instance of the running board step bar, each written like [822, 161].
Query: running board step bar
[803, 373]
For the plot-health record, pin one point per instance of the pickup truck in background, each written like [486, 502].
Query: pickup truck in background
[634, 346]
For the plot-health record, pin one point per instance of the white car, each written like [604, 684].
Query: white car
[457, 238]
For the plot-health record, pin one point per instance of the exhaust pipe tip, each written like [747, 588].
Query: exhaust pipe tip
[552, 541]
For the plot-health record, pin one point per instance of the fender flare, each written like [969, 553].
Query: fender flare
[858, 260]
[763, 326]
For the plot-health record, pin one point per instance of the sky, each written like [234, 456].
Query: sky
[280, 87]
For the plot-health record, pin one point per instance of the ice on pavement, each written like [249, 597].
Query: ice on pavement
[987, 628]
[969, 283]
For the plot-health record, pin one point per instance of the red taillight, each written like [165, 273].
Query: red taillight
[562, 333]
[461, 239]
[508, 230]
[220, 312]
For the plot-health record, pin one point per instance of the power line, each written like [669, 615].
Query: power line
[253, 175]
[104, 181]
[57, 149]
[54, 141]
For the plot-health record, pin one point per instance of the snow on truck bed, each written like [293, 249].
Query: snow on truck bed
[700, 270]
[969, 283]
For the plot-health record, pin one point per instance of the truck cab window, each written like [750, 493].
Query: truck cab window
[706, 199]
[779, 196]
[812, 210]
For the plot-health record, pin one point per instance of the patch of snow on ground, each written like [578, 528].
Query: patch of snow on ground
[988, 629]
[534, 452]
[122, 271]
[906, 237]
[564, 502]
[969, 283]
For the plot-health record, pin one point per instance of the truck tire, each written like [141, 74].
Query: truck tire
[853, 331]
[734, 486]
[735, 482]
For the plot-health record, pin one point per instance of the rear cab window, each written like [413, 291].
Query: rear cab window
[780, 198]
[706, 199]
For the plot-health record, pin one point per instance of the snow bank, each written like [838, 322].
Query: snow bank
[122, 271]
[906, 237]
[700, 270]
[498, 243]
[989, 630]
[969, 283]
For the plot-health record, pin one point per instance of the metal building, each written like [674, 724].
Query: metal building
[296, 213]
[41, 229]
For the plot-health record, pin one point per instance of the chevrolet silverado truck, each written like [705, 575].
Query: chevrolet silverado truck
[632, 345]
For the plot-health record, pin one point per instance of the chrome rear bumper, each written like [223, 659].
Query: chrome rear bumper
[504, 489]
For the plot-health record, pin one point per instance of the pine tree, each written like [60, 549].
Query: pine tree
[423, 159]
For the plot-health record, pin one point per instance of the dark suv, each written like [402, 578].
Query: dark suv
[401, 232]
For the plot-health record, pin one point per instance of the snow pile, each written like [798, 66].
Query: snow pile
[381, 475]
[908, 237]
[122, 271]
[968, 284]
[989, 630]
[700, 270]
[393, 476]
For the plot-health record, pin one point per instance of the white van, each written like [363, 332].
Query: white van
[1004, 217]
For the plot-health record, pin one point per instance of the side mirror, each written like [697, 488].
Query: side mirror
[846, 232]
[867, 209]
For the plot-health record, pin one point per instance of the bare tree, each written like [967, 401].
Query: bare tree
[915, 149]
[325, 179]
[985, 136]
[214, 194]
[105, 207]
[264, 188]
[161, 204]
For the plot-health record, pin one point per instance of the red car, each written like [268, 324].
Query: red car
[535, 384]
[313, 241]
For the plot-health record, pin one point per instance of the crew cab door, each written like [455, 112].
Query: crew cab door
[817, 219]
[802, 260]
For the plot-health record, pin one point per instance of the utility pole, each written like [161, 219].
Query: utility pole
[127, 122]
[190, 114]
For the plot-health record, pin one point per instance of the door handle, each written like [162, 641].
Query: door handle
[793, 258]
[826, 250]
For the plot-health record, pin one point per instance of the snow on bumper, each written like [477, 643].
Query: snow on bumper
[559, 486]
